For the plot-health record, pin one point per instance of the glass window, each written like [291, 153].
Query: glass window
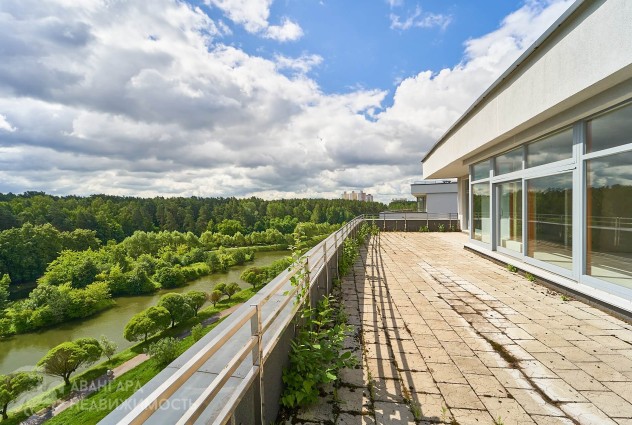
[553, 148]
[480, 212]
[421, 203]
[609, 218]
[467, 203]
[509, 161]
[510, 214]
[609, 130]
[549, 226]
[481, 170]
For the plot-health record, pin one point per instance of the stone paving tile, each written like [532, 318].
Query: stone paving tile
[460, 396]
[393, 413]
[609, 403]
[586, 414]
[353, 399]
[419, 382]
[535, 369]
[551, 420]
[507, 411]
[486, 386]
[472, 417]
[432, 407]
[382, 368]
[533, 403]
[388, 390]
[581, 381]
[432, 307]
[471, 365]
[350, 419]
[446, 372]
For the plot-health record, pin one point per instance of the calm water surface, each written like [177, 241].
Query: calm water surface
[24, 351]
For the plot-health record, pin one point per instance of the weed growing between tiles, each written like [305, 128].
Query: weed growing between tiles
[317, 354]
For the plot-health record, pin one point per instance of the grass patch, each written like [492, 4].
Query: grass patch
[506, 355]
[39, 402]
[97, 405]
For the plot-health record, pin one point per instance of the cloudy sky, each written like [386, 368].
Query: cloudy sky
[273, 98]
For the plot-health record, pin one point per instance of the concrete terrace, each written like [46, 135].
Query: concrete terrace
[446, 336]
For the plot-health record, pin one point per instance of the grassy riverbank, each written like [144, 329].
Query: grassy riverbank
[145, 373]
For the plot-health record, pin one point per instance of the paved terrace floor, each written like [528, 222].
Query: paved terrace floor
[449, 337]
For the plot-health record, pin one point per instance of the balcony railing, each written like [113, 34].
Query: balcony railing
[233, 374]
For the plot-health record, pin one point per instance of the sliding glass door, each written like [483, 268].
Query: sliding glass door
[510, 215]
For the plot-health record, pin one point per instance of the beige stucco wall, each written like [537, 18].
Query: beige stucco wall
[582, 67]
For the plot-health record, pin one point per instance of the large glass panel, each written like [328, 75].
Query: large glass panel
[609, 130]
[609, 218]
[480, 212]
[481, 170]
[549, 226]
[509, 161]
[467, 203]
[421, 203]
[510, 213]
[555, 147]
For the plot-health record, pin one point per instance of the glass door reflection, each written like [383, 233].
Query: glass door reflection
[510, 216]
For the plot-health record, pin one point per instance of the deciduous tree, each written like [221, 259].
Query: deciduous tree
[67, 357]
[177, 306]
[14, 384]
[196, 300]
[146, 323]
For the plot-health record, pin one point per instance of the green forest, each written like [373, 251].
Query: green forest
[83, 251]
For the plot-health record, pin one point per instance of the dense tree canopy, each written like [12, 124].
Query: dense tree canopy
[83, 251]
[115, 217]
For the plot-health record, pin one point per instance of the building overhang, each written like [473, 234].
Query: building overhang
[549, 86]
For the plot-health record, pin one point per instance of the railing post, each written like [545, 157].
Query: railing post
[337, 249]
[257, 357]
[405, 222]
[326, 264]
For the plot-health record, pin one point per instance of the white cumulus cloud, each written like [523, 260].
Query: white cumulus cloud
[5, 125]
[254, 16]
[139, 98]
[419, 19]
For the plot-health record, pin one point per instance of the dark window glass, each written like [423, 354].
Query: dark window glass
[609, 130]
[609, 218]
[549, 226]
[480, 212]
[553, 148]
[509, 161]
[480, 170]
[510, 213]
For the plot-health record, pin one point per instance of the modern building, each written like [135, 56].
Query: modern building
[357, 196]
[544, 156]
[436, 196]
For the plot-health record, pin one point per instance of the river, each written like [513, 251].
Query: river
[24, 351]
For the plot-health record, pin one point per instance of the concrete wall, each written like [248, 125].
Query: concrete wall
[416, 225]
[425, 188]
[582, 67]
[441, 202]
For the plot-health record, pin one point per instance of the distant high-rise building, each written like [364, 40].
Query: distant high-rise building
[357, 196]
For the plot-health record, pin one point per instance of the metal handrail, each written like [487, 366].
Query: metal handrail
[316, 259]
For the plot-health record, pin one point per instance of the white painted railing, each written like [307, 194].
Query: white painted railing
[211, 379]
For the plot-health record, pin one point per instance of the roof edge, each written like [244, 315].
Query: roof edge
[512, 68]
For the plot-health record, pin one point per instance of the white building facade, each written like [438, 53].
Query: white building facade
[544, 156]
[435, 196]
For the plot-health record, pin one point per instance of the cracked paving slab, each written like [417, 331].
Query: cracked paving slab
[458, 338]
